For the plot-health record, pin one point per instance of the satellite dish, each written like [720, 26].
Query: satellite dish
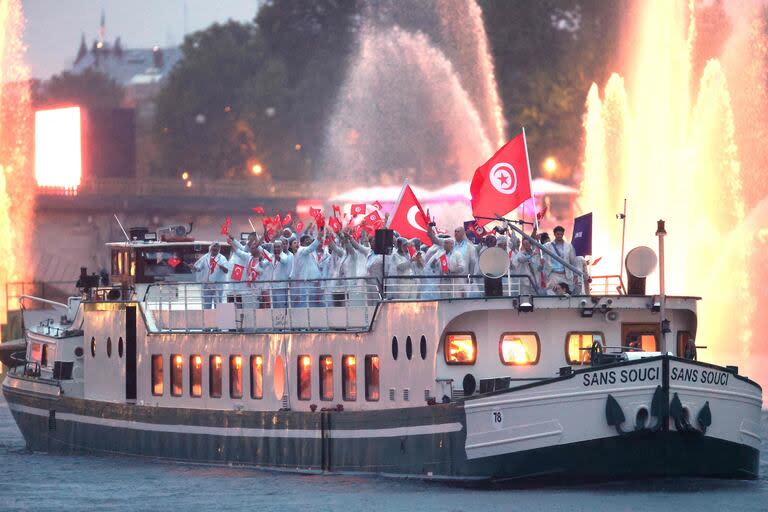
[494, 262]
[641, 261]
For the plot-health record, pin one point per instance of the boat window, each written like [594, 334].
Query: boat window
[236, 376]
[214, 376]
[349, 378]
[518, 349]
[257, 377]
[196, 375]
[460, 348]
[279, 378]
[686, 345]
[120, 347]
[44, 355]
[408, 348]
[93, 347]
[372, 377]
[177, 367]
[326, 377]
[423, 347]
[642, 341]
[578, 345]
[304, 373]
[109, 346]
[157, 374]
[394, 348]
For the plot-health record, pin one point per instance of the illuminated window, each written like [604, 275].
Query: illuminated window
[58, 158]
[326, 378]
[157, 374]
[177, 367]
[304, 373]
[519, 348]
[257, 377]
[578, 344]
[349, 378]
[236, 376]
[640, 341]
[372, 378]
[196, 375]
[460, 348]
[214, 376]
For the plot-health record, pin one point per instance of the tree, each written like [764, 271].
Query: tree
[90, 89]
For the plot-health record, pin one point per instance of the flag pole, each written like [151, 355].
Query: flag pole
[530, 180]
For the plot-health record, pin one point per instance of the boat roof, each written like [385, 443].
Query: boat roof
[162, 243]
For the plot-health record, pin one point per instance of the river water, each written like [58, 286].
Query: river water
[39, 482]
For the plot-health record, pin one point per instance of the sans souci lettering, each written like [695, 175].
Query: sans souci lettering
[699, 375]
[622, 376]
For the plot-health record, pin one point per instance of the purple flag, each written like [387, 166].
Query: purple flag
[582, 235]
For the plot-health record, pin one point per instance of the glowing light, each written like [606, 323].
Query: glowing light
[217, 361]
[305, 361]
[259, 361]
[550, 166]
[185, 175]
[227, 109]
[351, 361]
[188, 184]
[58, 160]
[238, 362]
[297, 147]
[513, 351]
[257, 169]
[198, 361]
[665, 140]
[459, 348]
[99, 45]
[328, 362]
[178, 361]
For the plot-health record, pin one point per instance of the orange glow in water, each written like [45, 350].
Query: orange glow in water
[665, 140]
[58, 160]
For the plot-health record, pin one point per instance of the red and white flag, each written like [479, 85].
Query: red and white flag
[375, 220]
[502, 183]
[444, 264]
[237, 272]
[358, 209]
[408, 217]
[334, 224]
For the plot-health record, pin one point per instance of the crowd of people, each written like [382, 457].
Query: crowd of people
[318, 267]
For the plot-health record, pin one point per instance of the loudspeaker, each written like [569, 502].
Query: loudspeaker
[635, 285]
[493, 287]
[383, 241]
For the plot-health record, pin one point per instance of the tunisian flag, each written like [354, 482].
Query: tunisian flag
[502, 183]
[408, 217]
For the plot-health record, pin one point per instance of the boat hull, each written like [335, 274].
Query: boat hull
[542, 436]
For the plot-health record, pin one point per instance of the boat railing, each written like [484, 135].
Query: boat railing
[607, 285]
[342, 304]
[409, 288]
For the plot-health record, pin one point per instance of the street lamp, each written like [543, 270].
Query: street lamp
[257, 169]
[550, 166]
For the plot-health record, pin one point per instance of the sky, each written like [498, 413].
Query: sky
[54, 27]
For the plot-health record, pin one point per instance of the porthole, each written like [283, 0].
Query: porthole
[120, 347]
[79, 351]
[109, 347]
[394, 348]
[408, 348]
[423, 347]
[93, 347]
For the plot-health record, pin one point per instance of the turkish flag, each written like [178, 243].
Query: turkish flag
[358, 209]
[376, 205]
[408, 217]
[336, 210]
[225, 227]
[237, 272]
[174, 262]
[288, 219]
[299, 227]
[502, 183]
[315, 212]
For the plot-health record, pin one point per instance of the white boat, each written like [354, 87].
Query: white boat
[455, 384]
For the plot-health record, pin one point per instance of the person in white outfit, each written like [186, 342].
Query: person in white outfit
[555, 271]
[211, 269]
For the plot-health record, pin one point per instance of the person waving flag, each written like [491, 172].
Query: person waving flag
[502, 183]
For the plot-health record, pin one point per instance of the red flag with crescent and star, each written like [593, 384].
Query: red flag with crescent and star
[408, 217]
[502, 183]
